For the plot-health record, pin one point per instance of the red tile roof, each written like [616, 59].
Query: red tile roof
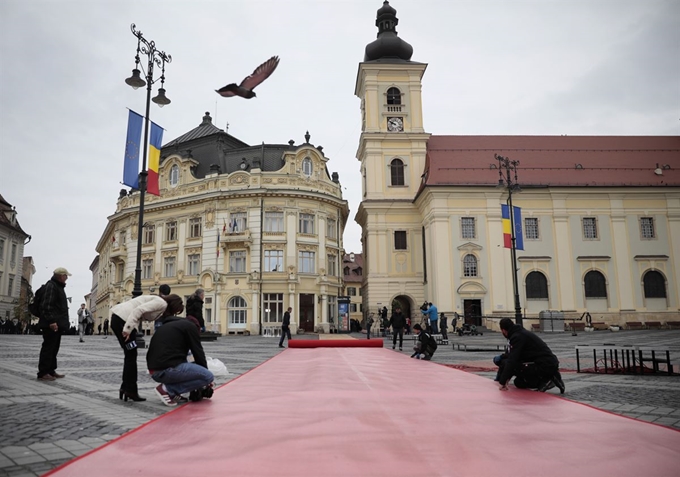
[556, 161]
[354, 267]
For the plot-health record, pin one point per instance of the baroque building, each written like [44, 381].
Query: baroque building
[600, 215]
[12, 241]
[259, 228]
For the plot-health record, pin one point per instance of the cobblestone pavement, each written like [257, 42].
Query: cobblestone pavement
[44, 424]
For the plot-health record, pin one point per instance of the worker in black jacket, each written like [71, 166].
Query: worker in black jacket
[167, 361]
[53, 322]
[529, 359]
[398, 323]
[425, 346]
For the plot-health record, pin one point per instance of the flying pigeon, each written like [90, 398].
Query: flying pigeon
[245, 89]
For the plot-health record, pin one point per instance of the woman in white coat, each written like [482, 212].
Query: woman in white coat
[125, 318]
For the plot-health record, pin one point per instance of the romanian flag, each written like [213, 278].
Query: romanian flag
[134, 139]
[507, 231]
[155, 143]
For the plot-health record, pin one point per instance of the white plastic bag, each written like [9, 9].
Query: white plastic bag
[217, 367]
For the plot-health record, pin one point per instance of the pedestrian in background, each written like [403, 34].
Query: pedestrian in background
[369, 323]
[285, 327]
[53, 322]
[106, 327]
[398, 322]
[83, 315]
[431, 313]
[195, 307]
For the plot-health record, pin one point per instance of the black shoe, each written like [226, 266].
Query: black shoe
[281, 346]
[546, 385]
[557, 379]
[392, 347]
[400, 349]
[46, 377]
[132, 396]
[57, 375]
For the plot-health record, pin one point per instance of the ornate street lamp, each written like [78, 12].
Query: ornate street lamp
[509, 182]
[158, 58]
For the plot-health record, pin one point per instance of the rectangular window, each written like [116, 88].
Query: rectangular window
[2, 250]
[149, 236]
[647, 227]
[120, 272]
[237, 261]
[121, 238]
[13, 256]
[10, 284]
[171, 231]
[273, 221]
[351, 291]
[195, 227]
[467, 228]
[400, 240]
[589, 228]
[169, 267]
[193, 264]
[333, 309]
[273, 260]
[306, 223]
[332, 229]
[147, 269]
[238, 222]
[353, 307]
[332, 268]
[531, 228]
[208, 309]
[306, 262]
[273, 307]
[359, 291]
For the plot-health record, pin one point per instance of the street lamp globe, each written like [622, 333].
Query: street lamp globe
[135, 80]
[161, 100]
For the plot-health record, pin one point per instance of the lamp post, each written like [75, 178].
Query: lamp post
[159, 58]
[509, 182]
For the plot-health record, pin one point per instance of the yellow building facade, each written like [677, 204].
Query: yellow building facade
[259, 228]
[600, 215]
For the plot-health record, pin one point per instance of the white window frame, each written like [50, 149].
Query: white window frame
[589, 227]
[193, 264]
[307, 167]
[332, 265]
[470, 270]
[169, 266]
[149, 235]
[237, 261]
[306, 261]
[171, 231]
[147, 268]
[195, 227]
[332, 309]
[647, 229]
[273, 221]
[2, 250]
[273, 260]
[238, 312]
[238, 222]
[468, 228]
[535, 233]
[306, 223]
[173, 178]
[274, 303]
[331, 229]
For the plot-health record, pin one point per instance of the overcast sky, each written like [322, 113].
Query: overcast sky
[591, 67]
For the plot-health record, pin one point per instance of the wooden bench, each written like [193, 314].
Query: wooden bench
[576, 326]
[653, 325]
[673, 325]
[600, 325]
[480, 346]
[635, 325]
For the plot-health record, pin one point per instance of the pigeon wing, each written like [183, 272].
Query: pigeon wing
[228, 90]
[261, 73]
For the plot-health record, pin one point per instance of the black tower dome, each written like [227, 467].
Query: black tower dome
[388, 45]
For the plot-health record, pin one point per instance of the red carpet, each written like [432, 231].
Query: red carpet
[373, 412]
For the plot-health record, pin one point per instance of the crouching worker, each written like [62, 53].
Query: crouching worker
[425, 346]
[167, 362]
[529, 359]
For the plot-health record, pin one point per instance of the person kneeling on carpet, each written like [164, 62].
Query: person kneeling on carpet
[528, 359]
[425, 346]
[167, 362]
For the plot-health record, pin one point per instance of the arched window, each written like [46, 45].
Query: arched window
[397, 172]
[595, 285]
[393, 96]
[238, 312]
[469, 266]
[174, 175]
[655, 285]
[307, 166]
[537, 286]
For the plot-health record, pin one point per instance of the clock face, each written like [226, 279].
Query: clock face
[395, 124]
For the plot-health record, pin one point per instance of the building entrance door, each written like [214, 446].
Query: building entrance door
[307, 311]
[472, 310]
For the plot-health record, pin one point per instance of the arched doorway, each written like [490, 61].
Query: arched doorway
[403, 302]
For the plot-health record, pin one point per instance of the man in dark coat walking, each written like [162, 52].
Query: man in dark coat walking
[529, 359]
[398, 322]
[53, 322]
[285, 327]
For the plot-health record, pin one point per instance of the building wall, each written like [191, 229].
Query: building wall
[214, 201]
[11, 265]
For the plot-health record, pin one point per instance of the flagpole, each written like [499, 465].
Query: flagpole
[511, 185]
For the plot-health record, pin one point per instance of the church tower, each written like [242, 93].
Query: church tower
[392, 151]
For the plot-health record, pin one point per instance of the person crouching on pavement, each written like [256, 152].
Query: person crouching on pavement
[425, 346]
[528, 359]
[168, 365]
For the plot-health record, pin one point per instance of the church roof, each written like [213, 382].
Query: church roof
[555, 161]
[8, 217]
[388, 47]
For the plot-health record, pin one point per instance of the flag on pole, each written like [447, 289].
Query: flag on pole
[134, 139]
[155, 143]
[218, 243]
[507, 231]
[224, 227]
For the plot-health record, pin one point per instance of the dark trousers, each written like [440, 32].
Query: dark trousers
[285, 332]
[130, 350]
[433, 326]
[48, 352]
[395, 332]
[533, 375]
